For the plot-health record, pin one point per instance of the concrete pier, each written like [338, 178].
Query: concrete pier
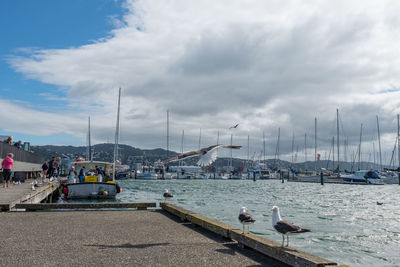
[116, 238]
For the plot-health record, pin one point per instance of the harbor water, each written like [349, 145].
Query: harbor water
[347, 224]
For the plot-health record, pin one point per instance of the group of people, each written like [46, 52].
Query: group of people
[9, 141]
[83, 172]
[51, 169]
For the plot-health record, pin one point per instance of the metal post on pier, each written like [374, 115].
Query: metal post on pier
[322, 178]
[281, 174]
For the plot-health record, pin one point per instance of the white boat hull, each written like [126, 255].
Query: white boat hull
[90, 190]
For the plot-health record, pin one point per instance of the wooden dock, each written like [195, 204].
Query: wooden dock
[23, 193]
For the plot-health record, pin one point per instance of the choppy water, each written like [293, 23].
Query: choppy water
[346, 223]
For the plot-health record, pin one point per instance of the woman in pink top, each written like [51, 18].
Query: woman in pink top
[7, 164]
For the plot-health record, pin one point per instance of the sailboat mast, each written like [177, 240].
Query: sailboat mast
[231, 153]
[293, 149]
[277, 145]
[167, 134]
[200, 139]
[315, 143]
[116, 134]
[305, 150]
[264, 145]
[398, 139]
[373, 149]
[338, 143]
[359, 148]
[379, 140]
[90, 145]
[248, 149]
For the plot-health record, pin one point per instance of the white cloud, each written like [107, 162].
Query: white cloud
[265, 64]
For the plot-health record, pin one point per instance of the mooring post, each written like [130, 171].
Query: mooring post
[322, 178]
[281, 174]
[399, 178]
[254, 176]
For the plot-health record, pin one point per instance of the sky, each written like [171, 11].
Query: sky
[266, 65]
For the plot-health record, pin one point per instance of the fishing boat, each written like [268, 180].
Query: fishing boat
[98, 181]
[147, 173]
[95, 185]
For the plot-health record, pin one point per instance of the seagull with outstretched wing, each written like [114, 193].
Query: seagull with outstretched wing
[207, 155]
[234, 127]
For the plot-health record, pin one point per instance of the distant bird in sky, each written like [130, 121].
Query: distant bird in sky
[167, 195]
[234, 127]
[245, 218]
[207, 155]
[283, 227]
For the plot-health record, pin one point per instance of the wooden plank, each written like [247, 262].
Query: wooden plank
[105, 205]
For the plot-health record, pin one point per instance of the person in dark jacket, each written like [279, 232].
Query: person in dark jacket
[82, 175]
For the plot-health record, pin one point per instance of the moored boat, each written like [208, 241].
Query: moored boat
[95, 184]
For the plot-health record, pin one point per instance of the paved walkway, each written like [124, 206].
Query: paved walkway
[115, 238]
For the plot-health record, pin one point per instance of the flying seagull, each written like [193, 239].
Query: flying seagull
[234, 127]
[245, 218]
[207, 155]
[283, 227]
[167, 195]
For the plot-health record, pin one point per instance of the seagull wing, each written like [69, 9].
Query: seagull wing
[202, 153]
[208, 158]
[287, 227]
[246, 218]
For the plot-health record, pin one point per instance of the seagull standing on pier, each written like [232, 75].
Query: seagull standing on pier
[167, 195]
[283, 227]
[245, 218]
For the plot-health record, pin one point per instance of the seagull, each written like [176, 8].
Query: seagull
[283, 227]
[379, 203]
[234, 127]
[245, 218]
[167, 195]
[207, 155]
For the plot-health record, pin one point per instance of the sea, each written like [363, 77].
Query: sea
[347, 226]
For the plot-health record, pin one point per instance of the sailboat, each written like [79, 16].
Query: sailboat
[98, 181]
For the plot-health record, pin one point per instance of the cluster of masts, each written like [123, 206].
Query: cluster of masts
[356, 155]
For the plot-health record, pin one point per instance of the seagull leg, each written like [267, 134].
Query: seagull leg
[283, 240]
[243, 229]
[287, 244]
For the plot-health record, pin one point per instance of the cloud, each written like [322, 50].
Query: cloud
[214, 63]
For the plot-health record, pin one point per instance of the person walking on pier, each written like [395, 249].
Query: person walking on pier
[7, 164]
[51, 167]
[45, 168]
